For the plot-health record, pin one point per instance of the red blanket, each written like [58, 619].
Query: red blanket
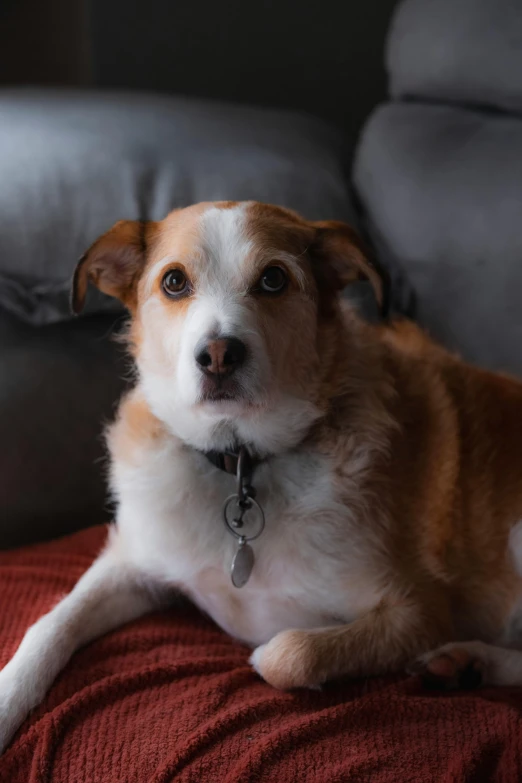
[171, 697]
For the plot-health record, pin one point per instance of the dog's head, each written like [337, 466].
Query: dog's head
[229, 304]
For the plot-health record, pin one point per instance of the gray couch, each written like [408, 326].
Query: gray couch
[439, 171]
[437, 189]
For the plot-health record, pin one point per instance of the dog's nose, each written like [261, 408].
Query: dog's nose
[221, 356]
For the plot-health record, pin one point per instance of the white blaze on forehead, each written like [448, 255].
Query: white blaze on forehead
[224, 238]
[231, 254]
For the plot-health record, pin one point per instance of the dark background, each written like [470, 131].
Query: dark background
[299, 54]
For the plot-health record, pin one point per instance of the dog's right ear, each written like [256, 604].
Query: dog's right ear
[114, 263]
[343, 258]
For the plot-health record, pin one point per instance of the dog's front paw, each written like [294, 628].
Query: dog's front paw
[452, 666]
[9, 723]
[7, 730]
[12, 709]
[289, 660]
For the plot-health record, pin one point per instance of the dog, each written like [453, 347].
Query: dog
[344, 497]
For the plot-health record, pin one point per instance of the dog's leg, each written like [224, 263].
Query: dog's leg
[469, 664]
[383, 640]
[108, 595]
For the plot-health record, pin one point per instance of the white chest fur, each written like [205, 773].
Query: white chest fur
[309, 568]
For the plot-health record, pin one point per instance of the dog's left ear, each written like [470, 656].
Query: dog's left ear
[113, 263]
[340, 259]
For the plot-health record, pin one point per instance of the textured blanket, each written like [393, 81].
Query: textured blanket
[172, 698]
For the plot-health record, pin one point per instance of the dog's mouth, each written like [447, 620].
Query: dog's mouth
[221, 389]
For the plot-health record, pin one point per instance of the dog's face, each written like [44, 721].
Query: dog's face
[228, 301]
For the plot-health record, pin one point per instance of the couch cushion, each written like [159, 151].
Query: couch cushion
[73, 163]
[466, 51]
[442, 189]
[58, 384]
[170, 697]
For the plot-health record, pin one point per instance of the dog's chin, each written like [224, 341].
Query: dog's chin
[223, 397]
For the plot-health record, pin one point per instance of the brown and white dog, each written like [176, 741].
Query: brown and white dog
[389, 472]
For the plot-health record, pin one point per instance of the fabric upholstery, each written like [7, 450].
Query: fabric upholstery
[459, 51]
[58, 385]
[438, 173]
[442, 190]
[73, 163]
[171, 698]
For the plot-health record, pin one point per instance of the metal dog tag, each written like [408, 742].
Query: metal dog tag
[242, 564]
[245, 519]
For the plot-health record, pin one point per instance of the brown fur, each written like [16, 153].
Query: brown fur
[451, 481]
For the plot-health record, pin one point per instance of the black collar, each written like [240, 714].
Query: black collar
[228, 461]
[224, 460]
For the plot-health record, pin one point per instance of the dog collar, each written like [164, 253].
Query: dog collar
[228, 461]
[243, 516]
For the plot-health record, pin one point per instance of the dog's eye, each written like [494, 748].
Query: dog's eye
[273, 280]
[174, 283]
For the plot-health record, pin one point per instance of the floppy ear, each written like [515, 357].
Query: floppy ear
[113, 263]
[341, 258]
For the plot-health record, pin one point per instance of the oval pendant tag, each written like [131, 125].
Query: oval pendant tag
[242, 565]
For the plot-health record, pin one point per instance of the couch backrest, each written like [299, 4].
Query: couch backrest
[458, 51]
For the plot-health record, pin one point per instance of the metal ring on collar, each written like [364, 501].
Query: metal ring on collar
[232, 529]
